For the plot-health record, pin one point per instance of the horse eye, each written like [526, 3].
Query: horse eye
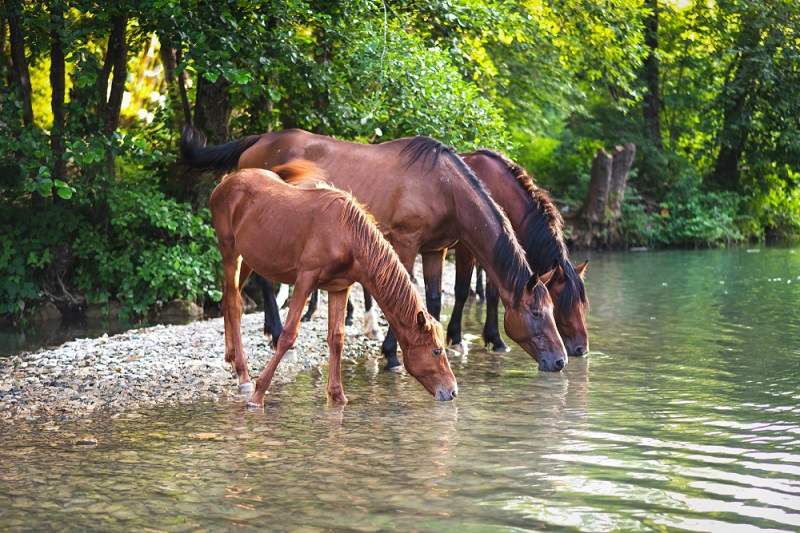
[536, 314]
[437, 351]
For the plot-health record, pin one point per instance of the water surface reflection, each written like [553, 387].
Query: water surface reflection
[684, 418]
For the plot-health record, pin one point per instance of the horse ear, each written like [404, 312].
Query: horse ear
[544, 278]
[422, 321]
[532, 281]
[580, 268]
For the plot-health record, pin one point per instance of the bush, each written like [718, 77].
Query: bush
[153, 249]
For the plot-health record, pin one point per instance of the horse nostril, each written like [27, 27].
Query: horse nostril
[559, 365]
[579, 351]
[453, 394]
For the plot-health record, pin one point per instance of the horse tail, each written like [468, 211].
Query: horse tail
[300, 172]
[196, 157]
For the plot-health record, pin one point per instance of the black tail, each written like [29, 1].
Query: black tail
[195, 156]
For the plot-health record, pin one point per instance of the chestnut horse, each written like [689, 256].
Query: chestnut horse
[538, 226]
[317, 237]
[424, 198]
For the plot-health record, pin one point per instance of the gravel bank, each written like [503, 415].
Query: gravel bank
[164, 364]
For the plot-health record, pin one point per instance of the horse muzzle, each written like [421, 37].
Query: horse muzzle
[444, 395]
[553, 365]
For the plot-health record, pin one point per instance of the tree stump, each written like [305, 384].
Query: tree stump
[602, 211]
[620, 168]
[594, 210]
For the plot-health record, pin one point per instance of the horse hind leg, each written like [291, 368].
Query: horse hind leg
[236, 272]
[312, 306]
[464, 266]
[372, 328]
[272, 317]
[480, 293]
[348, 318]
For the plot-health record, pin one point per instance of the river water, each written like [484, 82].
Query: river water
[684, 417]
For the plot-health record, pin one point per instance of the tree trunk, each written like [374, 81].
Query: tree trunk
[58, 86]
[176, 87]
[620, 168]
[738, 102]
[19, 71]
[117, 65]
[3, 36]
[212, 109]
[650, 73]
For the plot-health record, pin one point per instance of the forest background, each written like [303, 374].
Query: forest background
[94, 94]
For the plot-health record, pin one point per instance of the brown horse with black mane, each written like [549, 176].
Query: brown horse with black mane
[314, 236]
[538, 226]
[424, 198]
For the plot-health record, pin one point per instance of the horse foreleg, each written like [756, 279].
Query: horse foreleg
[407, 255]
[236, 271]
[272, 317]
[432, 268]
[302, 290]
[337, 304]
[312, 306]
[464, 264]
[491, 328]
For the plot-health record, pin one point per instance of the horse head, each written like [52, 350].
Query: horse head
[425, 358]
[531, 324]
[569, 294]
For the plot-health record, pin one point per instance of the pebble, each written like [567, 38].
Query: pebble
[166, 364]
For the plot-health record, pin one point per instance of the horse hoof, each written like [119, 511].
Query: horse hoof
[462, 347]
[501, 348]
[253, 405]
[348, 321]
[246, 387]
[395, 368]
[375, 335]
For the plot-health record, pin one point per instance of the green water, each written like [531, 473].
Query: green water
[683, 418]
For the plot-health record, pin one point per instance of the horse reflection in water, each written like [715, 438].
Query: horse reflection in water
[314, 236]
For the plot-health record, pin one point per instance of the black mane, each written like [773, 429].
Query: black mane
[507, 255]
[542, 235]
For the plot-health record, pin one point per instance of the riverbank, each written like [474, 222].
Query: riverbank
[168, 364]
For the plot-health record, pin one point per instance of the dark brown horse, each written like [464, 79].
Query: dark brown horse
[538, 226]
[317, 237]
[424, 198]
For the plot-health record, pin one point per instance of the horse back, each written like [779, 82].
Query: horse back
[279, 229]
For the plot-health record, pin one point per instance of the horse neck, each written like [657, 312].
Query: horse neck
[380, 271]
[488, 234]
[390, 286]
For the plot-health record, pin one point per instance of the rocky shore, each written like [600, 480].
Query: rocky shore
[164, 364]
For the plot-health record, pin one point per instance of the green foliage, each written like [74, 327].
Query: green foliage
[391, 85]
[154, 249]
[29, 237]
[548, 82]
[687, 216]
